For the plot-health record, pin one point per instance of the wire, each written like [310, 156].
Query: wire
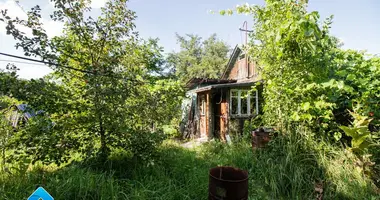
[47, 63]
[67, 67]
[15, 61]
[18, 4]
[58, 65]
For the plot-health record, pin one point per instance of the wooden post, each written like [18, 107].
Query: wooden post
[208, 115]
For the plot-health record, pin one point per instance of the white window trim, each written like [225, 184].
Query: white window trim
[248, 102]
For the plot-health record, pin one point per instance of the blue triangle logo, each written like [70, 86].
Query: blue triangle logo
[40, 194]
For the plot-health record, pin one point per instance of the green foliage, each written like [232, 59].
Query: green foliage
[289, 168]
[308, 79]
[38, 140]
[143, 146]
[293, 53]
[158, 103]
[198, 58]
[103, 89]
[172, 130]
[109, 95]
[361, 74]
[71, 182]
[361, 141]
[359, 132]
[6, 129]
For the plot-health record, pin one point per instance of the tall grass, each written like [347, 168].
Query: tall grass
[289, 168]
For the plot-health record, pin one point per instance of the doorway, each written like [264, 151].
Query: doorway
[220, 114]
[202, 115]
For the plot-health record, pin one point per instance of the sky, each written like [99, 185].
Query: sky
[355, 23]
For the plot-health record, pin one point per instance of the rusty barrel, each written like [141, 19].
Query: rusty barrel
[228, 183]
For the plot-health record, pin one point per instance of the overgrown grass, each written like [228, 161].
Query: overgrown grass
[289, 168]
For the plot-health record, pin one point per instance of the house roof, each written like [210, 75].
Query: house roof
[223, 81]
[24, 111]
[235, 54]
[28, 112]
[226, 85]
[195, 81]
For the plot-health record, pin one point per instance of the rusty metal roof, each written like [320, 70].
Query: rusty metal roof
[226, 85]
[197, 81]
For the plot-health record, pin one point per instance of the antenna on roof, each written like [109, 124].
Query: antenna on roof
[245, 23]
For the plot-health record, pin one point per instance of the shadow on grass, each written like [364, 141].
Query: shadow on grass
[177, 174]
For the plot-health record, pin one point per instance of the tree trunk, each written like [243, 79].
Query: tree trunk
[3, 159]
[103, 142]
[3, 152]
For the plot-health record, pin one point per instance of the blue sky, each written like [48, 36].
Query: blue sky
[355, 22]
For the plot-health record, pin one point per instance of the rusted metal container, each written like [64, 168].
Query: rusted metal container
[260, 138]
[228, 183]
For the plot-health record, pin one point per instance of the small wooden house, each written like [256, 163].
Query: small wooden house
[20, 114]
[218, 107]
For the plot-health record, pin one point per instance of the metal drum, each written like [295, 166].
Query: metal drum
[228, 183]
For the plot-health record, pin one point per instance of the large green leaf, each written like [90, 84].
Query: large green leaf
[349, 131]
[351, 77]
[305, 106]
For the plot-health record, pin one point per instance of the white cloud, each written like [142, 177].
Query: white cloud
[28, 71]
[52, 28]
[98, 3]
[13, 10]
[94, 3]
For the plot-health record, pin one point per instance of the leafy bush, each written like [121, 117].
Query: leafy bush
[307, 77]
[291, 167]
[359, 133]
[38, 141]
[143, 145]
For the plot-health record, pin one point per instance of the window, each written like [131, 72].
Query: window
[234, 102]
[243, 103]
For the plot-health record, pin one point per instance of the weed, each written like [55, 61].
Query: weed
[292, 166]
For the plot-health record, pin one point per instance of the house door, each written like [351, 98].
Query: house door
[202, 115]
[221, 113]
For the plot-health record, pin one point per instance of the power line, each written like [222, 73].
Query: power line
[18, 4]
[67, 67]
[15, 61]
[47, 63]
[55, 64]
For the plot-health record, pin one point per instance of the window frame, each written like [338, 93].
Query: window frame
[251, 96]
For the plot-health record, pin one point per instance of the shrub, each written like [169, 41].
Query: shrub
[143, 145]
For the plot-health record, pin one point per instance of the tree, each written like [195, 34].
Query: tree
[6, 128]
[198, 58]
[101, 63]
[293, 52]
[308, 79]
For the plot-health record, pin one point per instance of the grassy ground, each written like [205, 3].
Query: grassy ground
[289, 168]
